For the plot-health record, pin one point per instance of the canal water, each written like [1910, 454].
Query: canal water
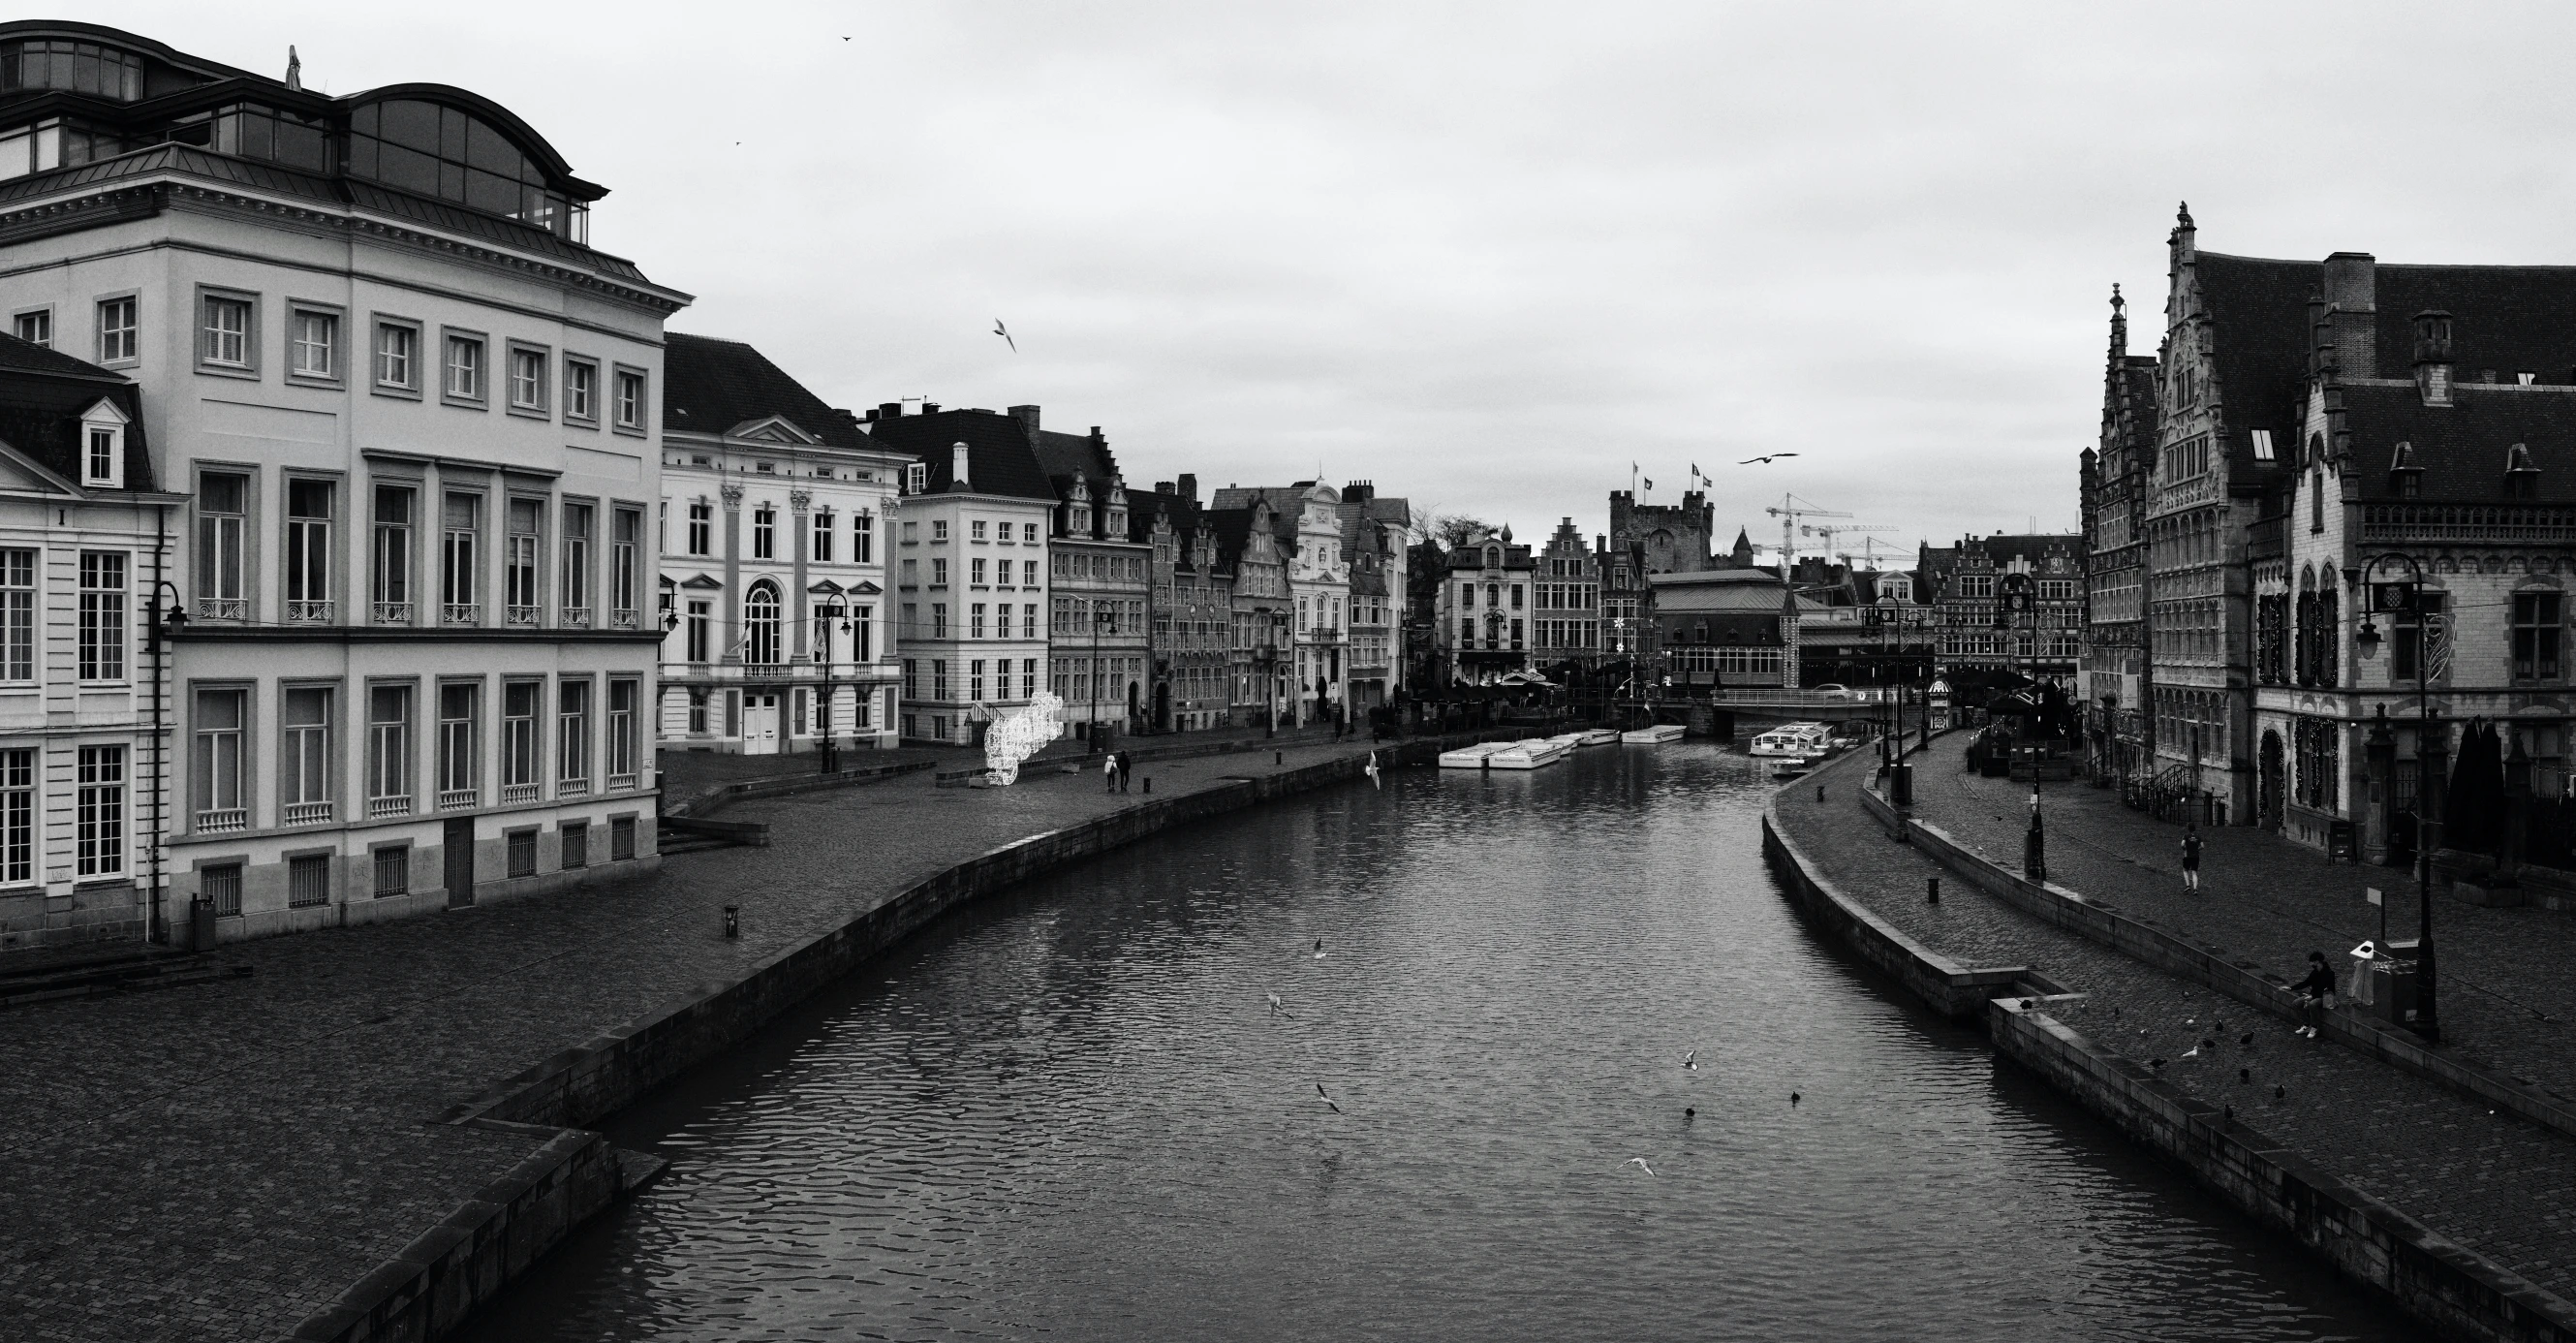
[1073, 1112]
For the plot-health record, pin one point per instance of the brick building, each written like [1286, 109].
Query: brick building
[2116, 678]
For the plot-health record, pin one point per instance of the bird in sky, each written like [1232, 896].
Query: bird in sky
[1640, 1163]
[1328, 1101]
[1772, 458]
[1005, 333]
[1793, 1098]
[1691, 1060]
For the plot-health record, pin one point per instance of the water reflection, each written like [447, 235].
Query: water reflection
[1074, 1111]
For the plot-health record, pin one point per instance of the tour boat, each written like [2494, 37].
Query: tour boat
[1472, 757]
[1788, 767]
[1796, 740]
[1599, 736]
[1656, 735]
[1530, 754]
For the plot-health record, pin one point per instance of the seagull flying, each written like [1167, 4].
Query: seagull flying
[1328, 1101]
[1691, 1060]
[1640, 1163]
[1773, 457]
[1005, 333]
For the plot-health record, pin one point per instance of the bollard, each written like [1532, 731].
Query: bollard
[1932, 890]
[1149, 783]
[1820, 792]
[1278, 757]
[733, 920]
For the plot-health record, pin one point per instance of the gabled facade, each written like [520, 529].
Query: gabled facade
[1307, 522]
[1484, 615]
[414, 412]
[1380, 528]
[2116, 677]
[1101, 575]
[773, 591]
[1568, 601]
[1193, 611]
[1971, 628]
[1263, 652]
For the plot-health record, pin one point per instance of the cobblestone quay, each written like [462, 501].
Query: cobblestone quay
[2497, 1186]
[227, 1161]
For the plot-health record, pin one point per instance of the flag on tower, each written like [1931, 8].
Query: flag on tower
[1650, 482]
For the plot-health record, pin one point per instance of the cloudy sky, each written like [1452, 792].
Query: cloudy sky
[1489, 255]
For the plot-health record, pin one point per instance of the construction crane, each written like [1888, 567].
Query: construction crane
[1791, 509]
[1868, 548]
[1829, 531]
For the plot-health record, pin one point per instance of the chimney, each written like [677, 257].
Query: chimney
[1163, 487]
[957, 470]
[2352, 299]
[1027, 416]
[1189, 487]
[1359, 492]
[2433, 357]
[929, 407]
[888, 410]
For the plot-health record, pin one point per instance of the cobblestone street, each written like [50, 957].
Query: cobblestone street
[2496, 1185]
[218, 1161]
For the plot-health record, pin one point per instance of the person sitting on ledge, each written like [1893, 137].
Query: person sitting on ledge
[2316, 994]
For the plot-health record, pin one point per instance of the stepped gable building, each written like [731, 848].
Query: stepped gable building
[1971, 629]
[1193, 609]
[2117, 680]
[1567, 607]
[1103, 647]
[85, 774]
[2438, 422]
[414, 412]
[1377, 534]
[1263, 649]
[969, 564]
[1306, 519]
[772, 572]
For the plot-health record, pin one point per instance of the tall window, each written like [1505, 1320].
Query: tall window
[528, 379]
[224, 334]
[622, 746]
[218, 763]
[975, 621]
[572, 736]
[581, 391]
[456, 785]
[304, 760]
[464, 368]
[863, 537]
[317, 344]
[975, 572]
[519, 739]
[760, 624]
[308, 550]
[460, 529]
[701, 630]
[222, 514]
[390, 584]
[764, 533]
[824, 536]
[116, 330]
[99, 819]
[630, 400]
[397, 357]
[862, 636]
[2536, 635]
[102, 615]
[99, 467]
[702, 527]
[622, 574]
[389, 750]
[17, 615]
[577, 521]
[17, 817]
[519, 575]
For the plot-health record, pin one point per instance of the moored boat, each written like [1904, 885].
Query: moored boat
[1472, 757]
[1599, 736]
[1530, 754]
[1656, 735]
[1793, 740]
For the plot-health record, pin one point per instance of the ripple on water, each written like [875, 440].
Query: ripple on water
[1073, 1111]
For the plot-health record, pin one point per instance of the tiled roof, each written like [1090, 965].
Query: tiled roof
[1062, 455]
[2259, 308]
[43, 394]
[711, 385]
[999, 459]
[2461, 447]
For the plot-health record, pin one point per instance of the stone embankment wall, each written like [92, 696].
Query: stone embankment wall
[2455, 1292]
[433, 1286]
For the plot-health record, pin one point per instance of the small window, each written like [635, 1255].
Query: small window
[397, 357]
[463, 368]
[106, 448]
[116, 330]
[523, 853]
[581, 390]
[225, 340]
[630, 399]
[308, 880]
[35, 328]
[316, 340]
[2263, 450]
[621, 838]
[221, 885]
[576, 844]
[393, 870]
[528, 380]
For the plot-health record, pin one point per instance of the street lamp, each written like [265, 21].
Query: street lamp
[1102, 621]
[2404, 598]
[829, 751]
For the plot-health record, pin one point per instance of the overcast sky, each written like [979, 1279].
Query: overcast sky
[1487, 255]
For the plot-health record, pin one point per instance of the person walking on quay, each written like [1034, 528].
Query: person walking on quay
[2316, 994]
[2191, 857]
[1126, 770]
[1109, 771]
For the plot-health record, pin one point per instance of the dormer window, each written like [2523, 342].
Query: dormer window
[1493, 557]
[2525, 378]
[2521, 476]
[2405, 478]
[102, 440]
[2263, 450]
[916, 478]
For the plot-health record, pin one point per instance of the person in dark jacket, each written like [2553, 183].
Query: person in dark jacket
[1126, 770]
[2316, 994]
[2191, 858]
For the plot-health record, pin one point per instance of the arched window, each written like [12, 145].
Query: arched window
[760, 624]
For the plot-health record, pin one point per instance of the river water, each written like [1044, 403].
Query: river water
[1072, 1112]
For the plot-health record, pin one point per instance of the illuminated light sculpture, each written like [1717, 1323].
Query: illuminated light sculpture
[1016, 738]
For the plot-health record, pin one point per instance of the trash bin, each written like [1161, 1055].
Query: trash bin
[201, 924]
[1900, 785]
[2390, 992]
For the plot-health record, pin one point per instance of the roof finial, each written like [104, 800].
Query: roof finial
[2118, 304]
[294, 69]
[2183, 215]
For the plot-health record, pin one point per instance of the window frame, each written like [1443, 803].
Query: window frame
[450, 339]
[201, 360]
[221, 768]
[543, 358]
[102, 633]
[580, 419]
[642, 424]
[101, 865]
[291, 754]
[297, 310]
[290, 527]
[412, 388]
[132, 333]
[19, 316]
[474, 565]
[377, 759]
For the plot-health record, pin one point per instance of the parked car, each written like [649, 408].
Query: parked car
[1836, 689]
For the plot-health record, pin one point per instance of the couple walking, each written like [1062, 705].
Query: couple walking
[1115, 770]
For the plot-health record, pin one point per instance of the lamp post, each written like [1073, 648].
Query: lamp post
[1101, 619]
[829, 750]
[2403, 598]
[166, 623]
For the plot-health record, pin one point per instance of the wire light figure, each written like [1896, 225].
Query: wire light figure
[1016, 738]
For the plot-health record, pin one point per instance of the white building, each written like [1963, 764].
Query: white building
[1306, 518]
[83, 534]
[970, 561]
[774, 510]
[414, 411]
